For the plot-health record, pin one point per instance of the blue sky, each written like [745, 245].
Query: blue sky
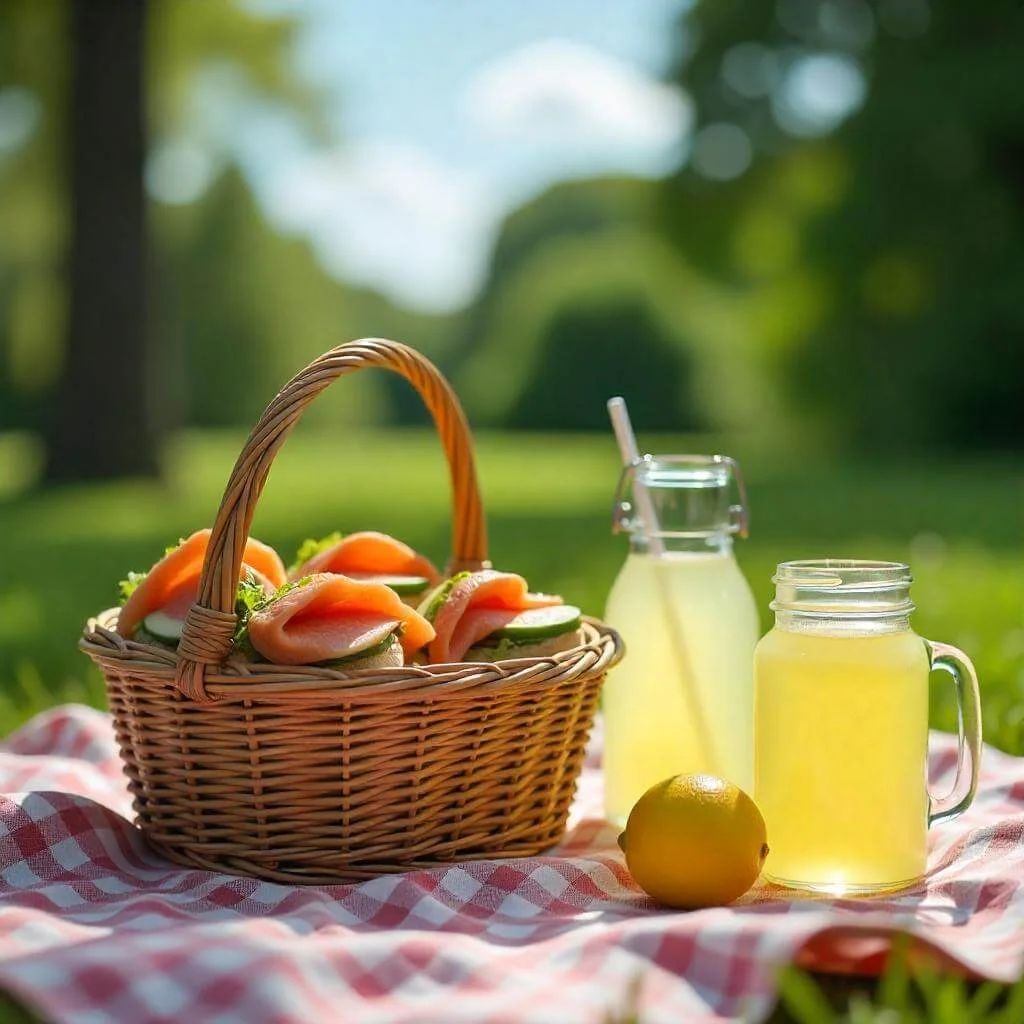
[447, 114]
[399, 68]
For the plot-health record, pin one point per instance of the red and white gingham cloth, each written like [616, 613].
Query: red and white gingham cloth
[95, 928]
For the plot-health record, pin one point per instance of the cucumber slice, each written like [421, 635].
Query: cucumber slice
[373, 651]
[432, 602]
[164, 627]
[372, 639]
[538, 623]
[141, 636]
[401, 585]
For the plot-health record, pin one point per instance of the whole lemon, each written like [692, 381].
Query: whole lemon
[695, 841]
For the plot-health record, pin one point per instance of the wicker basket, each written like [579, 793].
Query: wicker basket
[311, 775]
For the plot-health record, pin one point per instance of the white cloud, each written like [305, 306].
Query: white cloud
[568, 95]
[387, 215]
[415, 214]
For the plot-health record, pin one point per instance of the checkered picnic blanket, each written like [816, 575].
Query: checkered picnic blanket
[94, 927]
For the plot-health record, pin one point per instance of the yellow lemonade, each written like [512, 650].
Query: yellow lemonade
[682, 698]
[841, 739]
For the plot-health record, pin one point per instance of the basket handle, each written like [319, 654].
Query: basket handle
[209, 626]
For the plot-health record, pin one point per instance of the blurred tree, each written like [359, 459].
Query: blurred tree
[245, 307]
[186, 45]
[34, 68]
[568, 210]
[102, 424]
[872, 155]
[242, 306]
[585, 299]
[614, 345]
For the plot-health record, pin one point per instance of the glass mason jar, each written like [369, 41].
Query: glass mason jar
[841, 729]
[682, 699]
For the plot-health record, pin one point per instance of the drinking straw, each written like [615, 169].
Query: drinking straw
[626, 439]
[630, 456]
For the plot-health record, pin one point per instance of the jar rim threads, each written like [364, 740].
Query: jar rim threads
[843, 588]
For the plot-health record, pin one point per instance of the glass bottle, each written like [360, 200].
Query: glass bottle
[681, 701]
[841, 746]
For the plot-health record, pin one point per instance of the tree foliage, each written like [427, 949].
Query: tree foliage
[243, 308]
[34, 75]
[907, 217]
[578, 306]
[609, 346]
[857, 282]
[587, 294]
[186, 41]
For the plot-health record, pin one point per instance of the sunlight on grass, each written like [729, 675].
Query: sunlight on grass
[904, 994]
[548, 502]
[20, 461]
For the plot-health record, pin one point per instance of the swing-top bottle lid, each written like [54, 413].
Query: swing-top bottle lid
[686, 496]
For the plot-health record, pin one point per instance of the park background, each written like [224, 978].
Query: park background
[789, 231]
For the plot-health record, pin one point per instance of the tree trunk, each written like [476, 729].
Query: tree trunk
[103, 424]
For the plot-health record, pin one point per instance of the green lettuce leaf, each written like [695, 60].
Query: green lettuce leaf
[252, 598]
[309, 548]
[430, 605]
[129, 585]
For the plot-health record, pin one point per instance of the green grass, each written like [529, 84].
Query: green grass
[548, 502]
[548, 499]
[899, 996]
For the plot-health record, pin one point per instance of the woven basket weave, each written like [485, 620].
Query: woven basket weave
[312, 775]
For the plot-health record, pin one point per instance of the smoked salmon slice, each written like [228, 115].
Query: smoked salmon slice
[478, 604]
[331, 616]
[266, 561]
[368, 553]
[172, 584]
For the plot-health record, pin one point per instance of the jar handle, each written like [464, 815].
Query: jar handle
[968, 763]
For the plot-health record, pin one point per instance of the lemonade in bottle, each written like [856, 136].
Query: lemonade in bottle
[841, 746]
[681, 701]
